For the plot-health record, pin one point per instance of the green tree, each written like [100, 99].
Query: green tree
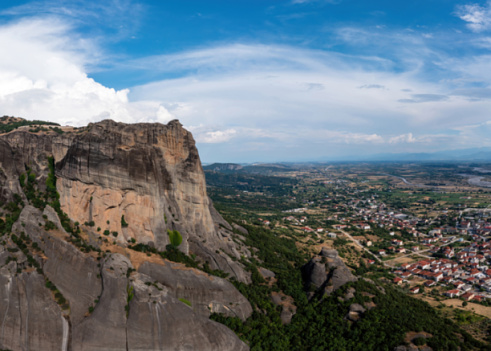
[175, 237]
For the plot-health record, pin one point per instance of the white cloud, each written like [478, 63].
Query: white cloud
[352, 138]
[478, 17]
[307, 97]
[163, 115]
[404, 138]
[119, 17]
[208, 135]
[42, 76]
[218, 136]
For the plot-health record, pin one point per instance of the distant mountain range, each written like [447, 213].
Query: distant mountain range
[260, 168]
[462, 155]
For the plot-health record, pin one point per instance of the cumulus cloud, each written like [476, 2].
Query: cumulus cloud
[43, 76]
[478, 17]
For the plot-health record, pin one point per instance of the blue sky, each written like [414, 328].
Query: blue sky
[292, 80]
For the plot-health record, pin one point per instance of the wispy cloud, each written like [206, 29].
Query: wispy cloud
[296, 2]
[478, 17]
[264, 87]
[120, 17]
[419, 98]
[371, 86]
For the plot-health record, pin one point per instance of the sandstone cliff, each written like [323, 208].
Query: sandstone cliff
[150, 175]
[81, 289]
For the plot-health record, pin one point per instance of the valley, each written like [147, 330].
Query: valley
[420, 229]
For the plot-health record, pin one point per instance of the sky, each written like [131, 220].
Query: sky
[258, 80]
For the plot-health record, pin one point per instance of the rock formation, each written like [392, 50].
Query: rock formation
[82, 290]
[326, 271]
[135, 180]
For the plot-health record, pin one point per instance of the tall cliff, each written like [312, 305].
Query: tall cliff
[149, 173]
[75, 205]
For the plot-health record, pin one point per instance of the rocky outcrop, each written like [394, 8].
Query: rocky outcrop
[326, 271]
[314, 273]
[76, 275]
[207, 294]
[223, 167]
[109, 306]
[288, 309]
[134, 180]
[355, 312]
[158, 321]
[150, 174]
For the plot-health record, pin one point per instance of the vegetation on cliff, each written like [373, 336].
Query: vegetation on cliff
[8, 124]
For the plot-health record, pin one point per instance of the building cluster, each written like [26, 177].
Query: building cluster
[466, 273]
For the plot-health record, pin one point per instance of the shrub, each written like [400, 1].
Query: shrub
[175, 237]
[183, 300]
[123, 222]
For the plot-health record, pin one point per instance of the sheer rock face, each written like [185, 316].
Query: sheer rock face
[130, 310]
[149, 173]
[207, 294]
[31, 319]
[145, 172]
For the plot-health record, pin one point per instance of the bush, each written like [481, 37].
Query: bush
[175, 237]
[123, 222]
[183, 300]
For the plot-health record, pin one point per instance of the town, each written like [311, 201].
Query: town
[423, 229]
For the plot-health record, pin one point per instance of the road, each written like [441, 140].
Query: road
[386, 263]
[357, 243]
